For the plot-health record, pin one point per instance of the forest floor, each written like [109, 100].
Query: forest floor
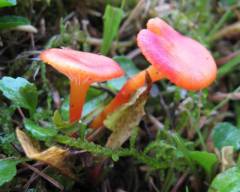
[186, 141]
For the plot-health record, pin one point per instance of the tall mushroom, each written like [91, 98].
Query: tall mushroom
[82, 69]
[182, 60]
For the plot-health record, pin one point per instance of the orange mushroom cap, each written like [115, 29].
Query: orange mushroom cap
[184, 61]
[82, 69]
[82, 66]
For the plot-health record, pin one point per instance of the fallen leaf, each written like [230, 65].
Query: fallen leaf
[227, 160]
[122, 121]
[53, 156]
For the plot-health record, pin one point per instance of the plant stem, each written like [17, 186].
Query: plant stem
[123, 4]
[219, 24]
[107, 152]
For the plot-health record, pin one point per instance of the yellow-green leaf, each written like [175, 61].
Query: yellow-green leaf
[126, 118]
[53, 156]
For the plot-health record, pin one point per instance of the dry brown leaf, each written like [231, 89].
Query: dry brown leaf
[227, 160]
[126, 118]
[53, 156]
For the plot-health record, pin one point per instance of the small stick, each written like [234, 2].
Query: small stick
[133, 53]
[94, 134]
[155, 122]
[21, 113]
[135, 12]
[103, 88]
[45, 176]
[219, 96]
[225, 59]
[32, 179]
[121, 44]
[180, 182]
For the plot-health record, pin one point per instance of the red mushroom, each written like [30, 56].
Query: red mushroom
[82, 69]
[184, 61]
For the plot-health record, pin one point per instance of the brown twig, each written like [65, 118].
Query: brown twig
[36, 165]
[32, 40]
[134, 14]
[56, 97]
[21, 113]
[121, 44]
[167, 110]
[219, 96]
[227, 58]
[180, 182]
[95, 134]
[229, 31]
[155, 122]
[151, 182]
[133, 53]
[45, 176]
[32, 179]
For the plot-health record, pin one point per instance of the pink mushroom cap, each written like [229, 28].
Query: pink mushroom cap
[184, 61]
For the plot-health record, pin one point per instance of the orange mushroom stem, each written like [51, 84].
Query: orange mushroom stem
[82, 69]
[126, 92]
[182, 60]
[78, 93]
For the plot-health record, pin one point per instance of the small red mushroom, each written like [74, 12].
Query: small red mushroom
[82, 69]
[184, 61]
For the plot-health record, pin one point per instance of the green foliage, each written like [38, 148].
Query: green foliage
[226, 16]
[59, 122]
[229, 66]
[40, 133]
[65, 109]
[32, 190]
[133, 138]
[228, 2]
[94, 101]
[6, 118]
[112, 19]
[66, 37]
[204, 159]
[6, 144]
[227, 181]
[192, 24]
[94, 104]
[226, 134]
[20, 92]
[130, 69]
[166, 153]
[7, 3]
[107, 152]
[10, 22]
[8, 169]
[64, 125]
[158, 154]
[184, 151]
